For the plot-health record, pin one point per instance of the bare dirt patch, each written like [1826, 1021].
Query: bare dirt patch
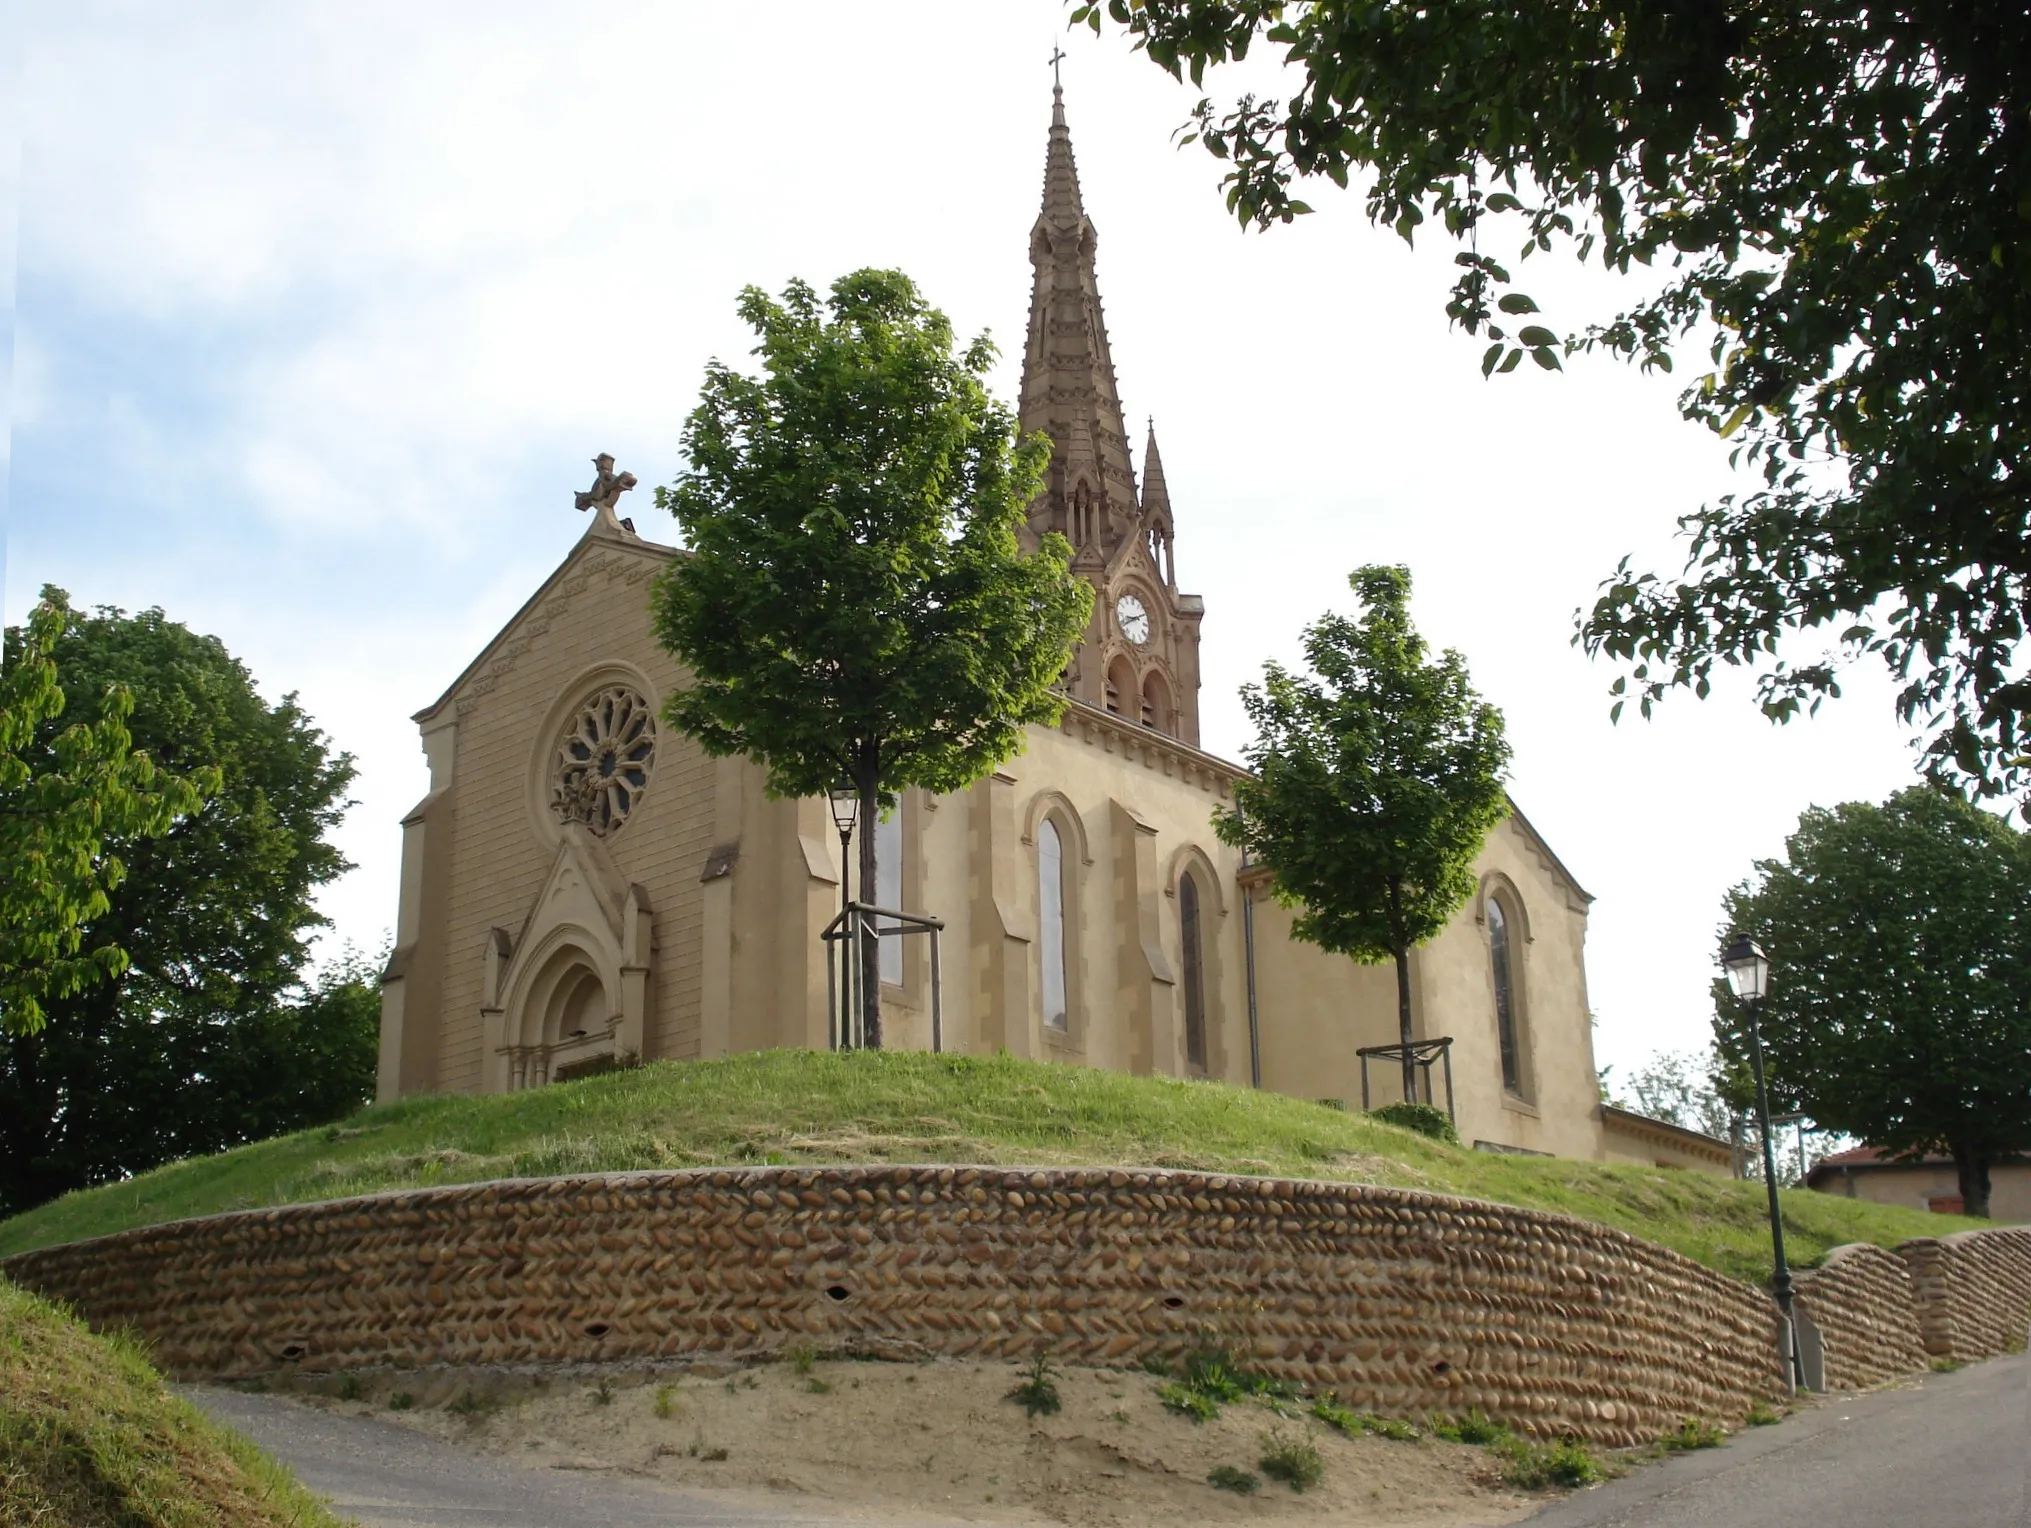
[940, 1438]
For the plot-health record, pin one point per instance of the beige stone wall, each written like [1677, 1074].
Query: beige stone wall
[1403, 1302]
[1864, 1303]
[1973, 1291]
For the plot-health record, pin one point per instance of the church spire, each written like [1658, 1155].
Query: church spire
[1068, 387]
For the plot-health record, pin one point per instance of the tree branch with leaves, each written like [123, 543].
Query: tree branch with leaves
[60, 810]
[854, 601]
[1838, 199]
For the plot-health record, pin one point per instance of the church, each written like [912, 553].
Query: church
[583, 886]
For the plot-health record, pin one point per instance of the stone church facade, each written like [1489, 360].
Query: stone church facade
[581, 883]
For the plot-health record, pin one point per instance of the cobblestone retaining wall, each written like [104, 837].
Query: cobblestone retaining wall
[1973, 1291]
[1405, 1302]
[1863, 1302]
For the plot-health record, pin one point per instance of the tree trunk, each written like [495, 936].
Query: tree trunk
[869, 781]
[1403, 1024]
[1402, 990]
[1971, 1166]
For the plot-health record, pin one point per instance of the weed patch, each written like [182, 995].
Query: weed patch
[1226, 1477]
[1534, 1466]
[1474, 1428]
[1354, 1423]
[1291, 1458]
[1692, 1434]
[1037, 1391]
[1187, 1402]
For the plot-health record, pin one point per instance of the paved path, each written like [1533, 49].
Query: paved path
[389, 1476]
[1952, 1451]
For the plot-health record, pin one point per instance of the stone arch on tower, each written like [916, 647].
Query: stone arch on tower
[1123, 695]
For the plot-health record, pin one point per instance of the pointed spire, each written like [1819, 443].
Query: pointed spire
[1156, 497]
[1068, 387]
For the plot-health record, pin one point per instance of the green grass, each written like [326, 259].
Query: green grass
[815, 1106]
[89, 1438]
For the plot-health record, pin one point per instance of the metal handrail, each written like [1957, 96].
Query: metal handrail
[1421, 1054]
[845, 1002]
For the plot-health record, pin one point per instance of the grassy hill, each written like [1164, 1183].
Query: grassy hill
[89, 1438]
[810, 1107]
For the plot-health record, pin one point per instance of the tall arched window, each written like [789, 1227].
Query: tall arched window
[1502, 957]
[1051, 921]
[1195, 980]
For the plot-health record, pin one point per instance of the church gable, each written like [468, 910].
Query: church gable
[605, 562]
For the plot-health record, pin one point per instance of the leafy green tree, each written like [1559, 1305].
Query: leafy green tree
[208, 1036]
[70, 794]
[1377, 778]
[1835, 201]
[1899, 1008]
[855, 603]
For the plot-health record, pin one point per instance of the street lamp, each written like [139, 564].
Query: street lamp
[845, 813]
[1748, 971]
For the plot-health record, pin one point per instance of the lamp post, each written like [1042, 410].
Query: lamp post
[1748, 971]
[845, 797]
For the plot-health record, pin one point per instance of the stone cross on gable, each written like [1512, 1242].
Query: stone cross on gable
[607, 487]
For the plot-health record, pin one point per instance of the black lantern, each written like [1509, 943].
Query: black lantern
[1748, 968]
[845, 808]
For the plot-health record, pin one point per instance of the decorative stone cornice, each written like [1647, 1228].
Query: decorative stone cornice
[1117, 735]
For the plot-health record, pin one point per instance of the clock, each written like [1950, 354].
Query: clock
[1133, 619]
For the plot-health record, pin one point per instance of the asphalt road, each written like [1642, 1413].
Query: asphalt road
[388, 1476]
[1950, 1451]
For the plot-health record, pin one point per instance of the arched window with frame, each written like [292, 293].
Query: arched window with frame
[1502, 963]
[1051, 923]
[1192, 959]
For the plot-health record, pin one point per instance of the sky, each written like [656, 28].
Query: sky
[320, 310]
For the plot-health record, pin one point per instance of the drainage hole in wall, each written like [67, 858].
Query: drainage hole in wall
[291, 1352]
[1174, 1302]
[597, 1329]
[836, 1291]
[1441, 1367]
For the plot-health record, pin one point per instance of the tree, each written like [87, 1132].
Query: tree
[1899, 1008]
[210, 1034]
[854, 602]
[1837, 197]
[69, 795]
[1377, 778]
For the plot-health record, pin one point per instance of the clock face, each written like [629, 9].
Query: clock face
[1133, 619]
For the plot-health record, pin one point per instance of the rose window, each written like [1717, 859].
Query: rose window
[604, 759]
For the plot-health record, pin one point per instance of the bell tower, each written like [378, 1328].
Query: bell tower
[1139, 656]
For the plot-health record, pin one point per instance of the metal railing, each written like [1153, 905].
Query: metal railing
[1422, 1054]
[846, 974]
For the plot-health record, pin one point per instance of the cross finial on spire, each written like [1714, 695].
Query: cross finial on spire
[1057, 84]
